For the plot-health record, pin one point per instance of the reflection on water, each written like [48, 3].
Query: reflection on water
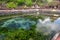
[2, 36]
[43, 26]
[47, 26]
[19, 23]
[57, 21]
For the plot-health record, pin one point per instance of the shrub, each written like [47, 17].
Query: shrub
[20, 2]
[28, 2]
[11, 5]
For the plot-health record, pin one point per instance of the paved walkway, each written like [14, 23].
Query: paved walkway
[48, 11]
[31, 10]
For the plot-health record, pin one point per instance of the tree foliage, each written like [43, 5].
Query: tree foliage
[28, 2]
[25, 2]
[20, 2]
[11, 5]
